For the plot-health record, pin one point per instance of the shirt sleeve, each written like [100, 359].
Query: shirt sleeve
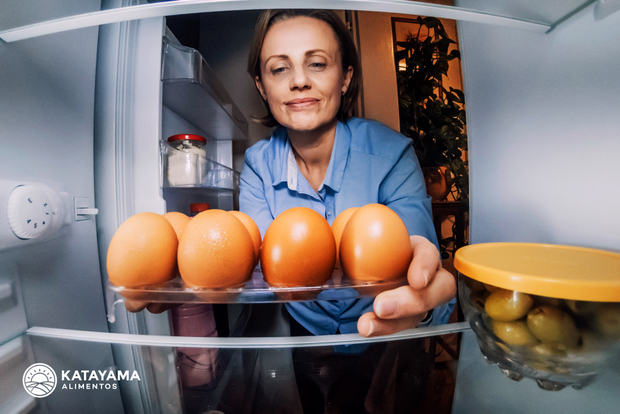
[252, 199]
[404, 191]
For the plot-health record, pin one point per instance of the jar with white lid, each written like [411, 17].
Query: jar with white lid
[186, 160]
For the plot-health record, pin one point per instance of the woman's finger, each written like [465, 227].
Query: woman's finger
[406, 301]
[371, 325]
[159, 307]
[135, 305]
[138, 305]
[405, 307]
[426, 261]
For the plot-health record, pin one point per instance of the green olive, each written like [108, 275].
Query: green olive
[579, 307]
[607, 320]
[514, 333]
[473, 284]
[552, 325]
[508, 305]
[478, 298]
[547, 350]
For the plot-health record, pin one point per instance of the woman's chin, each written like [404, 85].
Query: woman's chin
[308, 124]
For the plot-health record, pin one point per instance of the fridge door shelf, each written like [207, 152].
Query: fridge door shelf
[192, 91]
[254, 291]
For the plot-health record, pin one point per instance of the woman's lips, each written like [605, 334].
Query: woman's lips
[301, 103]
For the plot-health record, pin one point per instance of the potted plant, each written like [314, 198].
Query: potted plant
[431, 114]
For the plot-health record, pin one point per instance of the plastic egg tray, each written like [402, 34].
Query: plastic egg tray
[256, 291]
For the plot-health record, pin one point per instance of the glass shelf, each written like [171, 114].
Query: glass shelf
[523, 14]
[255, 291]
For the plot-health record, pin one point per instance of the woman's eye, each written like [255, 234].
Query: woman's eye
[318, 65]
[276, 71]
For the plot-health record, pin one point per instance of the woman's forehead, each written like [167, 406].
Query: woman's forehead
[298, 35]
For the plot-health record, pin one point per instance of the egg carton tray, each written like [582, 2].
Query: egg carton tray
[256, 291]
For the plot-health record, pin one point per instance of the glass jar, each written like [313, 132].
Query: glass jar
[547, 312]
[186, 160]
[196, 208]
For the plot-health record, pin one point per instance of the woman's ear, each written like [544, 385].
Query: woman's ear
[347, 79]
[259, 86]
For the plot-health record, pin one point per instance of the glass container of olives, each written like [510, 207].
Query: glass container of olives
[546, 312]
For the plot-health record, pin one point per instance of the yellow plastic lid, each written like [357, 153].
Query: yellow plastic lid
[557, 271]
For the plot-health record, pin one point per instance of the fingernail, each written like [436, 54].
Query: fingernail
[372, 327]
[387, 307]
[426, 275]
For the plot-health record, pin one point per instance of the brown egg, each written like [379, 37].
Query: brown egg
[252, 229]
[338, 226]
[177, 220]
[215, 250]
[375, 245]
[142, 251]
[298, 249]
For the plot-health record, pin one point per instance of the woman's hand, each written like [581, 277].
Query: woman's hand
[430, 285]
[138, 305]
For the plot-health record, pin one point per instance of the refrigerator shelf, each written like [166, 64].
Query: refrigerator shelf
[191, 90]
[255, 291]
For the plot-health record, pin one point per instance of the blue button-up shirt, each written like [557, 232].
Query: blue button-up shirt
[370, 163]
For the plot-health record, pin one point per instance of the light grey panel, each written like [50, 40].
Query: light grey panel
[15, 358]
[47, 115]
[481, 388]
[23, 12]
[12, 314]
[540, 11]
[543, 131]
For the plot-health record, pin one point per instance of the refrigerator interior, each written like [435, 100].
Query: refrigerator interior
[543, 134]
[84, 113]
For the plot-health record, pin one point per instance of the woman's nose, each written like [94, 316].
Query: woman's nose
[300, 79]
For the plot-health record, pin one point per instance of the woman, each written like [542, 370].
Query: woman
[306, 69]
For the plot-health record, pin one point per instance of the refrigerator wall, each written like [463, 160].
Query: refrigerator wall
[46, 149]
[543, 131]
[543, 142]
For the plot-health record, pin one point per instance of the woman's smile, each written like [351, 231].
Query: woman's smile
[301, 104]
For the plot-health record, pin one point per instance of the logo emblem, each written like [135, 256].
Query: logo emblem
[39, 380]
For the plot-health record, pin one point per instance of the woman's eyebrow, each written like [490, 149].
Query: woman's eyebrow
[283, 56]
[313, 51]
[276, 57]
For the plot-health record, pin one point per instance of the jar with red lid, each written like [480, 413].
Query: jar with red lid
[186, 160]
[196, 208]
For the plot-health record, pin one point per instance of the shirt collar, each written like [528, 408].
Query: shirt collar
[286, 169]
[279, 161]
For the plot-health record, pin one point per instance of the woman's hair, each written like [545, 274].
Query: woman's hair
[348, 52]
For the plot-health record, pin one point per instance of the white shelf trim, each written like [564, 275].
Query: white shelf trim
[144, 11]
[258, 342]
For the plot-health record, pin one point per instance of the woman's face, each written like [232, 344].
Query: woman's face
[301, 74]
